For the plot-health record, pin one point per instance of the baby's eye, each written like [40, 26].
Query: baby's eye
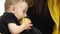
[23, 11]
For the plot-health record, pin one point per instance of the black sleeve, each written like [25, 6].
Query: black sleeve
[3, 30]
[32, 31]
[36, 31]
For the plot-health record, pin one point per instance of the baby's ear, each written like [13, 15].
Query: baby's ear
[12, 8]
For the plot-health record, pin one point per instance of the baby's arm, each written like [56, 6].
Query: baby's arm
[15, 29]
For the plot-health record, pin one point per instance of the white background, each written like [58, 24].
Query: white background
[1, 7]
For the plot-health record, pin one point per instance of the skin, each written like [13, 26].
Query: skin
[19, 10]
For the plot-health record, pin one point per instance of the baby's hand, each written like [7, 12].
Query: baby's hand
[26, 24]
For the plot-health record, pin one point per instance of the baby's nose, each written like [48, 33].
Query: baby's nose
[25, 15]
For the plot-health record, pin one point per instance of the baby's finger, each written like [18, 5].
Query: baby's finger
[30, 24]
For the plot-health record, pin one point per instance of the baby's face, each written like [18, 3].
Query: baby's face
[21, 9]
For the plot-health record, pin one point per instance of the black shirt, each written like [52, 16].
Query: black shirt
[10, 18]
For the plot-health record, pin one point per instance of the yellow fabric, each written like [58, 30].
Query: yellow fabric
[54, 11]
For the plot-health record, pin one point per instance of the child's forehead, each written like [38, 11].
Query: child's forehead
[22, 3]
[29, 2]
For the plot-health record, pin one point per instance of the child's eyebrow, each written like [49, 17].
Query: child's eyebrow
[24, 11]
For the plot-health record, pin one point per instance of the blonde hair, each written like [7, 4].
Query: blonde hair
[8, 3]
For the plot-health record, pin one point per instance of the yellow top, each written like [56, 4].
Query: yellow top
[54, 11]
